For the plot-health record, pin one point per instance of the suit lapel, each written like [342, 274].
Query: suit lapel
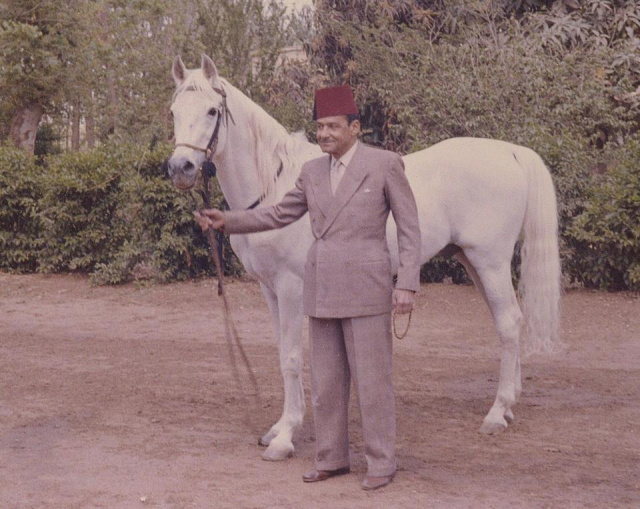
[321, 181]
[353, 177]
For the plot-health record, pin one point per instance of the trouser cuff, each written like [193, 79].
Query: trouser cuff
[332, 465]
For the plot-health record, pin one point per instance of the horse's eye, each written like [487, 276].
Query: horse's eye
[213, 112]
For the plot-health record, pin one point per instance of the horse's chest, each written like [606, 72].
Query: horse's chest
[264, 255]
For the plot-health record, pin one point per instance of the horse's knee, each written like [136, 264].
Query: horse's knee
[291, 366]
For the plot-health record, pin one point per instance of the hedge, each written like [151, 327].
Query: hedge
[113, 214]
[110, 213]
[20, 224]
[606, 235]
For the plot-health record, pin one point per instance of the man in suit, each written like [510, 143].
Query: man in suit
[348, 287]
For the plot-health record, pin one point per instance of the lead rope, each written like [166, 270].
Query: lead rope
[406, 330]
[231, 334]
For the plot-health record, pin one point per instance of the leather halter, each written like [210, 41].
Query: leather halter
[211, 147]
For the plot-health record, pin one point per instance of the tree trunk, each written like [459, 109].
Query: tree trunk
[113, 101]
[91, 130]
[75, 128]
[24, 126]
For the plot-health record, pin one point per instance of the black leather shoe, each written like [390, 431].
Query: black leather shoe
[323, 475]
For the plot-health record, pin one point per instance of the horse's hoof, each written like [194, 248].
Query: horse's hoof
[491, 428]
[264, 441]
[509, 417]
[277, 453]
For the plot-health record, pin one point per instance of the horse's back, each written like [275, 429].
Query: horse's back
[476, 165]
[470, 191]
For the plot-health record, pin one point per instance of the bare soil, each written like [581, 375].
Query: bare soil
[124, 397]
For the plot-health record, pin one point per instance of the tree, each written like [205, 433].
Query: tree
[102, 62]
[245, 38]
[34, 39]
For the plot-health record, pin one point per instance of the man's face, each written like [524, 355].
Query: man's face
[335, 135]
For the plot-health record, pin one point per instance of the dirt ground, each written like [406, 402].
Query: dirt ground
[123, 397]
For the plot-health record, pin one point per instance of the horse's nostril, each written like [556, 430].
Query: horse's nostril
[178, 168]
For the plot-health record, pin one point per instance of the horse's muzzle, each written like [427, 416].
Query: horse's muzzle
[182, 172]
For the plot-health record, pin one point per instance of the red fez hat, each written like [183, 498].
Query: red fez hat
[333, 101]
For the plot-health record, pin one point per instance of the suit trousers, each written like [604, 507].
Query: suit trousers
[358, 349]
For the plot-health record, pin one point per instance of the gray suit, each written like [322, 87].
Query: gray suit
[347, 292]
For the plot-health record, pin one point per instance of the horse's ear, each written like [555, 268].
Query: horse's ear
[209, 69]
[178, 70]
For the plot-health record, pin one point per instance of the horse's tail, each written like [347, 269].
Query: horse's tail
[540, 273]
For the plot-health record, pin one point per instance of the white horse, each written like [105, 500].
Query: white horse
[475, 197]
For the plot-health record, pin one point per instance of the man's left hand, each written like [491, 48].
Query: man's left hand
[402, 300]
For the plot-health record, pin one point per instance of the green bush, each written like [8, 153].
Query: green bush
[162, 241]
[111, 213]
[21, 187]
[79, 210]
[606, 235]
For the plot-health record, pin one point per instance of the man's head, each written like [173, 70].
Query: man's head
[337, 120]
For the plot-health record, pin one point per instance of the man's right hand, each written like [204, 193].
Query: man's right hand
[213, 218]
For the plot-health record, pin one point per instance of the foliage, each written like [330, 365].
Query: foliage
[20, 225]
[31, 70]
[47, 141]
[606, 235]
[78, 208]
[489, 76]
[120, 67]
[415, 93]
[106, 64]
[559, 76]
[105, 60]
[110, 213]
[245, 38]
[162, 241]
[594, 24]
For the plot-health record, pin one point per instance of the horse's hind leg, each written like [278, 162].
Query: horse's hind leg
[286, 309]
[494, 284]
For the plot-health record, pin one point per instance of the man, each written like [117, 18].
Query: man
[348, 288]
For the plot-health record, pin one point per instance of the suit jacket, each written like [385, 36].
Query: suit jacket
[348, 268]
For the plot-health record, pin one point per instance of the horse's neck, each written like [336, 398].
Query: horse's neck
[249, 159]
[237, 171]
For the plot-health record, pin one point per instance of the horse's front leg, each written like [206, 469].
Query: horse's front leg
[286, 308]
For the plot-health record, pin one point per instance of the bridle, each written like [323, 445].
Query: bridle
[208, 167]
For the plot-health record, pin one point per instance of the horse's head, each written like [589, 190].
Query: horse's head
[198, 107]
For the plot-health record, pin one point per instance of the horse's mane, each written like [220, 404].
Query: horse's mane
[274, 147]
